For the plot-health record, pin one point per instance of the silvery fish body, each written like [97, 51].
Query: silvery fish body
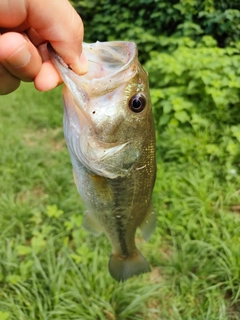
[109, 130]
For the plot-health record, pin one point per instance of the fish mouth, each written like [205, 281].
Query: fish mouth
[110, 59]
[110, 65]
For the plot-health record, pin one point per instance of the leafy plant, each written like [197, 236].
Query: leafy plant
[144, 21]
[196, 83]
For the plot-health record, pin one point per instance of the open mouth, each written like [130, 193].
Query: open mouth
[108, 58]
[110, 65]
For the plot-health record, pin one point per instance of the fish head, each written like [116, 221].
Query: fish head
[119, 101]
[111, 101]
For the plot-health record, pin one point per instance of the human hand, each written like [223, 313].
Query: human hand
[25, 28]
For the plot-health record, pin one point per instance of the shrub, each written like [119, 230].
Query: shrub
[144, 20]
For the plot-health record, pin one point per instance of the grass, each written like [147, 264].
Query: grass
[50, 268]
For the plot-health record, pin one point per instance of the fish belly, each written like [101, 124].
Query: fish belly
[110, 209]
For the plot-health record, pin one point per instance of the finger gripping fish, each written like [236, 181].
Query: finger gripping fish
[109, 131]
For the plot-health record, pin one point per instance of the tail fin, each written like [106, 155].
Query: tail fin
[123, 269]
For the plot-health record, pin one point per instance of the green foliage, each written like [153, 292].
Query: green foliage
[144, 21]
[197, 83]
[196, 95]
[4, 315]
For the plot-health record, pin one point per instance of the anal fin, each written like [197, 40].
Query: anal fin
[149, 224]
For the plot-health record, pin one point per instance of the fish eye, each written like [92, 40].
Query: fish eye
[137, 103]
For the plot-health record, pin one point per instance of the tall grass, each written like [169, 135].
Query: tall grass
[50, 268]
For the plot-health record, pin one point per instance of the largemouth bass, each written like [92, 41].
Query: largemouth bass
[109, 131]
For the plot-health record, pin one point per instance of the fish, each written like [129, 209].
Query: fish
[110, 135]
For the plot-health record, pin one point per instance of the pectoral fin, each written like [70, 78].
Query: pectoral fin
[91, 225]
[149, 224]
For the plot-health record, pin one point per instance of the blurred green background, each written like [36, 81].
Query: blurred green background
[50, 268]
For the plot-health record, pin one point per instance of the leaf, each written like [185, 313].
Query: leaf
[213, 149]
[53, 211]
[38, 242]
[232, 148]
[23, 250]
[236, 132]
[196, 119]
[13, 278]
[167, 107]
[4, 315]
[182, 116]
[76, 258]
[164, 119]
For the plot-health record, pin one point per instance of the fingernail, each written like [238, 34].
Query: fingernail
[81, 65]
[19, 58]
